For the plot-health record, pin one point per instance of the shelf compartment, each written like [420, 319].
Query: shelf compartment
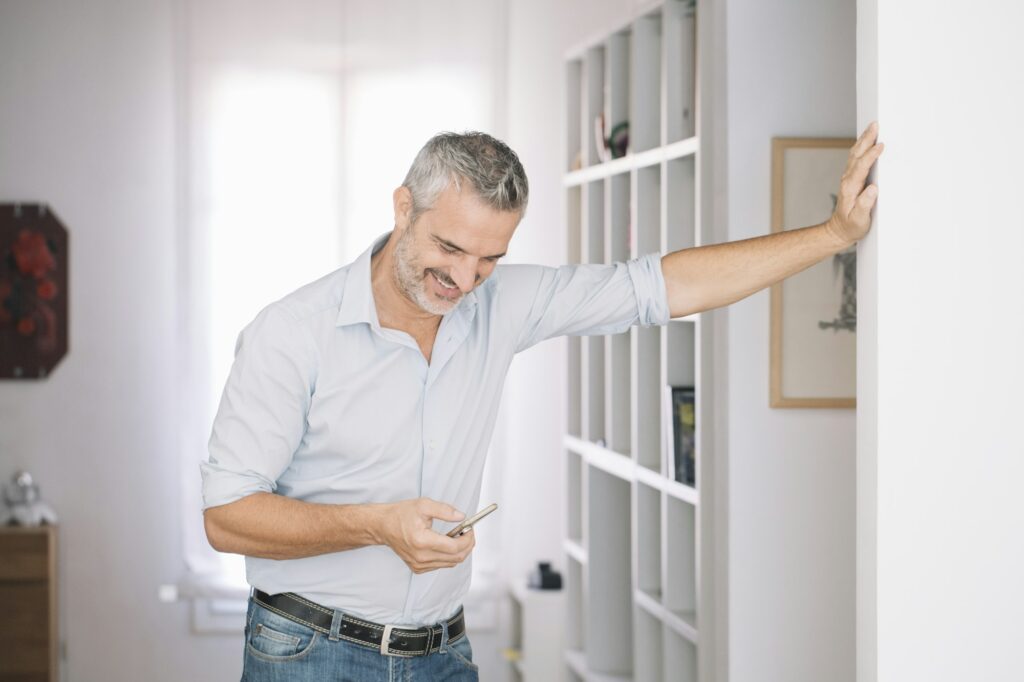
[574, 477]
[679, 565]
[680, 230]
[648, 541]
[679, 30]
[574, 99]
[575, 378]
[647, 397]
[680, 661]
[592, 249]
[617, 348]
[617, 404]
[592, 101]
[574, 246]
[680, 372]
[575, 626]
[680, 350]
[616, 85]
[648, 644]
[609, 595]
[645, 62]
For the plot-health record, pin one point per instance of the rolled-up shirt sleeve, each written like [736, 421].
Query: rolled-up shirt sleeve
[262, 413]
[586, 300]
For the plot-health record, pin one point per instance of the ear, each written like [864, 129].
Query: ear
[403, 207]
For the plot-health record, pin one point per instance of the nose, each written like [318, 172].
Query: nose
[464, 275]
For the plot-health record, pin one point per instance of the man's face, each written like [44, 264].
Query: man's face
[450, 249]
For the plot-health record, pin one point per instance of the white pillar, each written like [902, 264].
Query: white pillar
[940, 539]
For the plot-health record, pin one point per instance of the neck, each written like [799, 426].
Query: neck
[394, 309]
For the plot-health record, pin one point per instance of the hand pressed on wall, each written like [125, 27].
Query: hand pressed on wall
[852, 217]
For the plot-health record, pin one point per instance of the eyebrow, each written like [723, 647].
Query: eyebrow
[459, 248]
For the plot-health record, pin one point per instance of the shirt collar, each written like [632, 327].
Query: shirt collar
[357, 304]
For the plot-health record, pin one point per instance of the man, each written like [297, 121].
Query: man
[352, 430]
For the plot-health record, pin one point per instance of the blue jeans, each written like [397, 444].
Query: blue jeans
[279, 649]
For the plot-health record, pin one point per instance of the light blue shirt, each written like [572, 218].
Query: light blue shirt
[324, 405]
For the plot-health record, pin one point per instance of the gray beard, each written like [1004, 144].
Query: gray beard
[411, 278]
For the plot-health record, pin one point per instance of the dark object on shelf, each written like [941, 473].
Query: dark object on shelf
[618, 139]
[615, 144]
[33, 291]
[684, 433]
[543, 578]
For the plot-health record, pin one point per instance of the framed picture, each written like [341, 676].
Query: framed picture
[813, 313]
[33, 291]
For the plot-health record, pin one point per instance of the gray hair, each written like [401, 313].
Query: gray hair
[490, 167]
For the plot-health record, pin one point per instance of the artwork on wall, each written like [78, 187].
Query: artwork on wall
[813, 313]
[33, 291]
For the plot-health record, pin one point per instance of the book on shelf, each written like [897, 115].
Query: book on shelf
[679, 408]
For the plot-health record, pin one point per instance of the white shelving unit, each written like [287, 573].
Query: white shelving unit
[538, 625]
[636, 600]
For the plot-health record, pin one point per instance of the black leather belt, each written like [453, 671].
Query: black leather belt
[401, 641]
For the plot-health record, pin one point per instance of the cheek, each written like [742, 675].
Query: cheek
[485, 270]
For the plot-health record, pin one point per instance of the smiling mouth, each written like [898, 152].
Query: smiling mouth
[448, 288]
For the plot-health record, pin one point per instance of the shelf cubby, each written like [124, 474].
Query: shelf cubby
[647, 400]
[574, 135]
[616, 84]
[680, 344]
[617, 348]
[680, 60]
[592, 249]
[609, 592]
[575, 255]
[679, 564]
[575, 630]
[680, 660]
[592, 101]
[648, 643]
[574, 476]
[680, 230]
[645, 72]
[648, 541]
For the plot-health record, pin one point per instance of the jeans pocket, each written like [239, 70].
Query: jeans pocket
[462, 651]
[276, 638]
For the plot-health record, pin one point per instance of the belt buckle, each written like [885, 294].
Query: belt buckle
[385, 641]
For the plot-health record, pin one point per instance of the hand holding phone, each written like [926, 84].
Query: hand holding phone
[468, 523]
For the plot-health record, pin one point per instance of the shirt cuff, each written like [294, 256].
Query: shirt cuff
[221, 486]
[649, 288]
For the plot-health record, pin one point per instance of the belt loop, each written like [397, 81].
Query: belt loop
[335, 626]
[443, 647]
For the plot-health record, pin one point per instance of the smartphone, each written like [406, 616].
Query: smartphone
[468, 523]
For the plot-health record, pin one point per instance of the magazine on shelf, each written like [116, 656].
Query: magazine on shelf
[679, 410]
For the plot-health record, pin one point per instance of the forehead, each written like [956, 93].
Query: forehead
[464, 219]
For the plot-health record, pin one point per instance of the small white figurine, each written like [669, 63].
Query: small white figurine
[24, 508]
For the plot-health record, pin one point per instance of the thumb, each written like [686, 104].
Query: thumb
[440, 510]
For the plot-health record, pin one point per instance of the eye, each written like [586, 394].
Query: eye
[447, 249]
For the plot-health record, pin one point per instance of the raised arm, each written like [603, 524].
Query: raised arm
[708, 277]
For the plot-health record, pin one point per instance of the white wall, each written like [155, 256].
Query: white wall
[86, 124]
[941, 461]
[791, 71]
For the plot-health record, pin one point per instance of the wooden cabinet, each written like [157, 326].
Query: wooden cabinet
[28, 592]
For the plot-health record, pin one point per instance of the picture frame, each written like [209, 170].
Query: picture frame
[813, 313]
